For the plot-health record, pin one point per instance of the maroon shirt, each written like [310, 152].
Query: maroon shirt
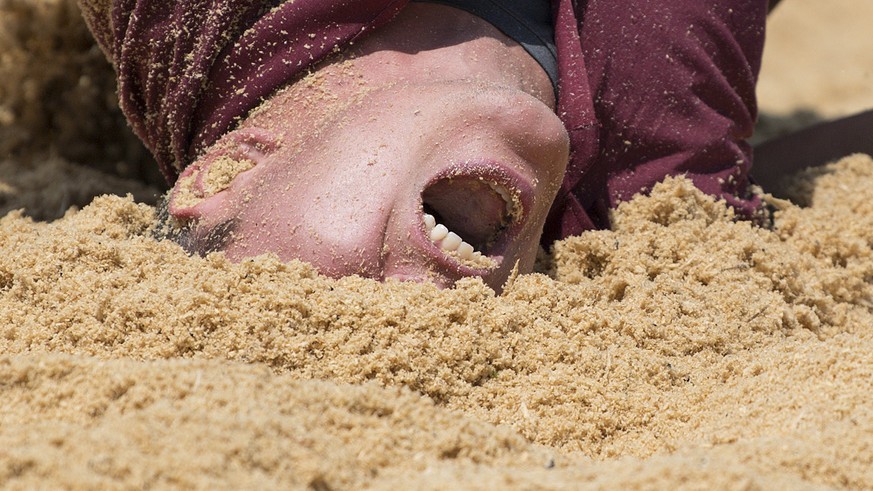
[646, 88]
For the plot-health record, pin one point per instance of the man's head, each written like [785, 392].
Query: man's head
[437, 114]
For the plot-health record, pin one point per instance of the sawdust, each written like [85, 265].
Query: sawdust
[63, 139]
[704, 346]
[681, 350]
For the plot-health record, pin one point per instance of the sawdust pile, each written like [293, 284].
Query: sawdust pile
[682, 347]
[63, 139]
[682, 350]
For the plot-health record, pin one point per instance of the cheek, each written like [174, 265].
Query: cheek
[559, 155]
[325, 219]
[542, 140]
[547, 151]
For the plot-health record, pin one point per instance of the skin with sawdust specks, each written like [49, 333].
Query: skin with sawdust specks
[343, 158]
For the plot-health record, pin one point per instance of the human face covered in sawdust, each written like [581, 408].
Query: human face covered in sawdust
[430, 152]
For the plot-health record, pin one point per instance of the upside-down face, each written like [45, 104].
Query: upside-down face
[432, 154]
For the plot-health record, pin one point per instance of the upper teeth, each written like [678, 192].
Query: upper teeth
[447, 240]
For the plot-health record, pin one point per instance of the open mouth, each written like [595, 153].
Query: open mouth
[468, 217]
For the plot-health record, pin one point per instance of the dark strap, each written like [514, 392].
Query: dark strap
[528, 22]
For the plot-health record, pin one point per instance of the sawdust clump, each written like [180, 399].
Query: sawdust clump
[681, 350]
[683, 346]
[63, 139]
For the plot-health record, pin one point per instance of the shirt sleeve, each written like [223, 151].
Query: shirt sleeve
[673, 84]
[97, 17]
[655, 88]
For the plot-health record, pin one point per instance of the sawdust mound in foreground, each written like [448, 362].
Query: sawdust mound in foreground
[682, 349]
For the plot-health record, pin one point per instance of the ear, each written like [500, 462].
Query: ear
[203, 185]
